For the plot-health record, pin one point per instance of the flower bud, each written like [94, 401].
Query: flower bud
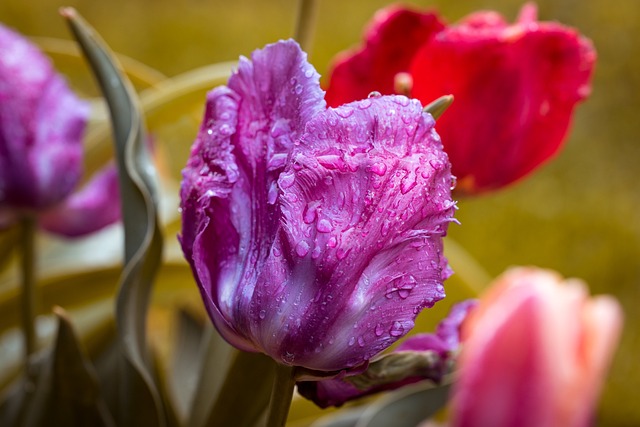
[535, 353]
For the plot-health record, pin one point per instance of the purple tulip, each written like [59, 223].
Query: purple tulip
[41, 128]
[314, 233]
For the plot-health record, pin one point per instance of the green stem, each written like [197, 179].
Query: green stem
[281, 395]
[27, 269]
[305, 23]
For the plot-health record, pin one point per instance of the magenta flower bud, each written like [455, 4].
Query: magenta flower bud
[41, 128]
[314, 234]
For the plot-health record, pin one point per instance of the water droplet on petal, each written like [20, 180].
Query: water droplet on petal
[308, 74]
[332, 242]
[225, 129]
[302, 249]
[286, 180]
[344, 112]
[352, 341]
[454, 182]
[408, 182]
[324, 226]
[374, 94]
[310, 212]
[262, 314]
[342, 254]
[272, 196]
[317, 251]
[396, 329]
[379, 168]
[361, 341]
[379, 330]
[363, 105]
[288, 358]
[401, 100]
[298, 89]
[384, 229]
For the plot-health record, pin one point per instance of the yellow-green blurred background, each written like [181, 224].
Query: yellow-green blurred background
[578, 214]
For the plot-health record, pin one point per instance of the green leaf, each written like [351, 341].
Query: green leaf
[140, 402]
[183, 375]
[245, 393]
[216, 357]
[68, 393]
[406, 407]
[342, 418]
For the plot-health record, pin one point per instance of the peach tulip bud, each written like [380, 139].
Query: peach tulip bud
[535, 353]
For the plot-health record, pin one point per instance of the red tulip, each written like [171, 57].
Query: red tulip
[535, 352]
[515, 85]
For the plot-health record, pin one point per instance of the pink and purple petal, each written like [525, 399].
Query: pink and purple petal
[41, 125]
[445, 343]
[94, 207]
[365, 202]
[229, 188]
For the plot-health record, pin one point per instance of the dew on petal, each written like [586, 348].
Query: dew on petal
[302, 248]
[363, 105]
[272, 196]
[379, 168]
[225, 129]
[408, 182]
[310, 212]
[396, 329]
[324, 226]
[344, 112]
[384, 228]
[379, 330]
[374, 94]
[341, 253]
[286, 180]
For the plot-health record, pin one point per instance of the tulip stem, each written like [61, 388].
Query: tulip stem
[281, 395]
[27, 269]
[305, 23]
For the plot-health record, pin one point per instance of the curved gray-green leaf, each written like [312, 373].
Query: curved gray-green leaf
[140, 402]
[406, 407]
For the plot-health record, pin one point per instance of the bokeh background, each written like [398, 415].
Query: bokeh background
[578, 214]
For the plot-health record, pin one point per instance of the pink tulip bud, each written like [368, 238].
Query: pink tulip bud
[535, 353]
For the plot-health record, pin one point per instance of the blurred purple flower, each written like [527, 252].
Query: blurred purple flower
[443, 346]
[314, 234]
[41, 128]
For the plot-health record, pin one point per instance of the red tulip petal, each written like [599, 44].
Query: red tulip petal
[515, 89]
[391, 41]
